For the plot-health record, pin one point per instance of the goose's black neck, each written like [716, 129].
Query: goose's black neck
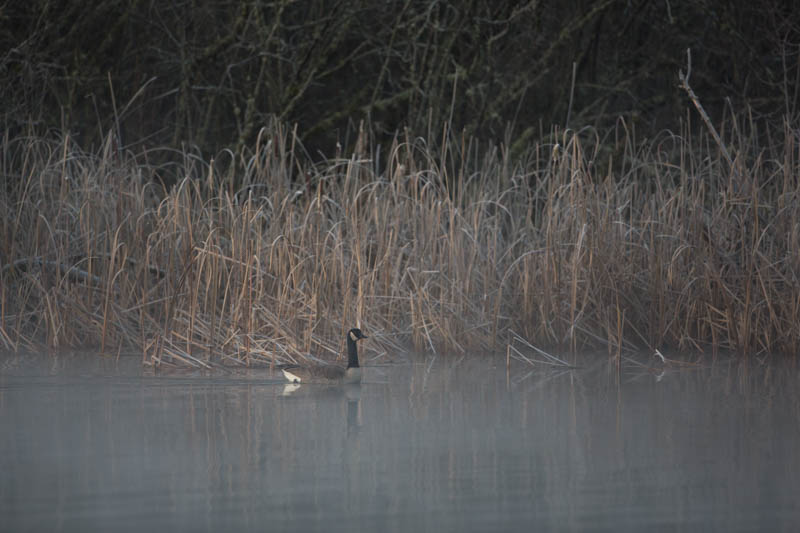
[352, 353]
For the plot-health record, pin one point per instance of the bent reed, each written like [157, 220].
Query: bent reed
[602, 241]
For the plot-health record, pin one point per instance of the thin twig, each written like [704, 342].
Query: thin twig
[684, 79]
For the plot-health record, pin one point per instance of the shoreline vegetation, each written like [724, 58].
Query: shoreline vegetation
[585, 240]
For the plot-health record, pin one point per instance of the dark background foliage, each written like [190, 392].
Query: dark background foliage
[210, 73]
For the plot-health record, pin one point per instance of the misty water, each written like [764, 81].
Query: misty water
[426, 443]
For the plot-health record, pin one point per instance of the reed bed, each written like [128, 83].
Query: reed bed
[581, 241]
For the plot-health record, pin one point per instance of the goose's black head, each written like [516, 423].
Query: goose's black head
[356, 335]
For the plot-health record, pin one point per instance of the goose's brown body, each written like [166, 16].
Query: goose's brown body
[327, 373]
[322, 374]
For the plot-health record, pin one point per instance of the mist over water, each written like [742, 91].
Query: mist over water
[427, 444]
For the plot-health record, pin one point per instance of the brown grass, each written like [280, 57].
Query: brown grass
[602, 242]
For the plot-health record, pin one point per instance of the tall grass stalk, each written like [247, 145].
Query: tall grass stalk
[603, 241]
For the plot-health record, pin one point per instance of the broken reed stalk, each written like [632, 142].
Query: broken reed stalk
[684, 79]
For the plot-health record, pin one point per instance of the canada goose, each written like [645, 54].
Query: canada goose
[328, 373]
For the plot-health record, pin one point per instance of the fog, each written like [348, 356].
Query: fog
[425, 444]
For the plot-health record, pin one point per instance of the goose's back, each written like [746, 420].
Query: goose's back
[327, 372]
[314, 373]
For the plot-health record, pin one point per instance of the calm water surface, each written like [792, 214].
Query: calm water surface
[427, 444]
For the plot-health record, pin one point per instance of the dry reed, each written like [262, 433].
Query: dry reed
[600, 242]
